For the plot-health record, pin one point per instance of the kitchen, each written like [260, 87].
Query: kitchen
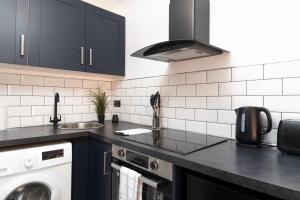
[195, 99]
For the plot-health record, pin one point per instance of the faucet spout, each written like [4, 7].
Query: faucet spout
[55, 117]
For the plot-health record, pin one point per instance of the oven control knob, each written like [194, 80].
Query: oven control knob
[154, 165]
[121, 153]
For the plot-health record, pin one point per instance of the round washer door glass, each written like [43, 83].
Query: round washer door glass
[32, 191]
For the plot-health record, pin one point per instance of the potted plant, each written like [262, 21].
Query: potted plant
[101, 102]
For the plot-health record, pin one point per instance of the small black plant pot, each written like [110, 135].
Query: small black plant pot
[101, 119]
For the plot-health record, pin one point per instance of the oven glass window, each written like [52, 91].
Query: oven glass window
[32, 191]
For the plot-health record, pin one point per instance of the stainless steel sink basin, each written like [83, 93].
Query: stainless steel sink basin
[81, 125]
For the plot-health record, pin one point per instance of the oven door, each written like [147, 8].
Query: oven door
[154, 189]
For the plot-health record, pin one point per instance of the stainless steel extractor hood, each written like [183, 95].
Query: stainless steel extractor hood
[188, 34]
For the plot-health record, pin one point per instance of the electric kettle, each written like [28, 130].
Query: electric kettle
[249, 128]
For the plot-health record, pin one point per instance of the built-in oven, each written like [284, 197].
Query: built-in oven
[156, 174]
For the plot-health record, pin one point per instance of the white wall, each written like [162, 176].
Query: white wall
[254, 31]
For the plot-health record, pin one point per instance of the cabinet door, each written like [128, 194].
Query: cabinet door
[105, 41]
[100, 170]
[80, 163]
[13, 23]
[57, 33]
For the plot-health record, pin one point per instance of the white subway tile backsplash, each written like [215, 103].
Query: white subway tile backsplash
[232, 88]
[54, 82]
[197, 127]
[89, 117]
[73, 100]
[65, 110]
[195, 77]
[226, 117]
[165, 112]
[206, 115]
[89, 84]
[247, 73]
[129, 109]
[65, 91]
[32, 100]
[73, 118]
[50, 101]
[140, 92]
[219, 103]
[135, 83]
[264, 87]
[136, 119]
[115, 84]
[141, 110]
[160, 81]
[32, 121]
[182, 113]
[195, 102]
[147, 82]
[79, 92]
[207, 89]
[42, 110]
[19, 90]
[240, 101]
[176, 79]
[291, 86]
[177, 102]
[32, 80]
[186, 90]
[220, 75]
[81, 109]
[220, 130]
[176, 124]
[73, 83]
[168, 91]
[10, 79]
[119, 92]
[295, 116]
[152, 90]
[3, 89]
[125, 100]
[135, 101]
[13, 122]
[19, 111]
[128, 92]
[125, 84]
[282, 70]
[146, 120]
[106, 85]
[43, 91]
[282, 103]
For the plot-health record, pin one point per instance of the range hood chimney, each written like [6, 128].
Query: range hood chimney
[188, 34]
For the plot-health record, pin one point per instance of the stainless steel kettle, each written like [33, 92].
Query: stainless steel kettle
[249, 128]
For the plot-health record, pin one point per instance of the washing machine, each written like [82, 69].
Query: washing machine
[40, 172]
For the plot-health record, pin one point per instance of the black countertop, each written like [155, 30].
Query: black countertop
[265, 170]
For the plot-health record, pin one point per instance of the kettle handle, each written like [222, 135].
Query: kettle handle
[269, 118]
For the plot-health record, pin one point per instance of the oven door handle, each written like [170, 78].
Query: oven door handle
[152, 183]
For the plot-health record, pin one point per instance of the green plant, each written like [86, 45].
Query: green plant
[100, 100]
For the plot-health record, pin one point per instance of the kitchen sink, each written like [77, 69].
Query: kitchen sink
[81, 125]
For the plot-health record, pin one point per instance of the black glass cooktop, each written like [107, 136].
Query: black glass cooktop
[178, 142]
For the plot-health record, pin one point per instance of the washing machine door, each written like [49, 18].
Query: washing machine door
[32, 187]
[31, 191]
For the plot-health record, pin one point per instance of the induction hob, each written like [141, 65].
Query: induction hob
[176, 141]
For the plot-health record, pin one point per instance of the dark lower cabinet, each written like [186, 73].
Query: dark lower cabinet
[13, 31]
[80, 164]
[208, 188]
[99, 170]
[57, 34]
[105, 41]
[91, 171]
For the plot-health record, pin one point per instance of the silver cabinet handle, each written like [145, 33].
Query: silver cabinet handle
[82, 55]
[22, 51]
[91, 57]
[104, 162]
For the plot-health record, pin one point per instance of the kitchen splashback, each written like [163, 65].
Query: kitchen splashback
[204, 101]
[29, 99]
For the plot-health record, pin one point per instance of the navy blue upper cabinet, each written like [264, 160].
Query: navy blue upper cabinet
[13, 32]
[57, 34]
[105, 41]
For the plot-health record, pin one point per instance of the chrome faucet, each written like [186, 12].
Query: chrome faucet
[55, 118]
